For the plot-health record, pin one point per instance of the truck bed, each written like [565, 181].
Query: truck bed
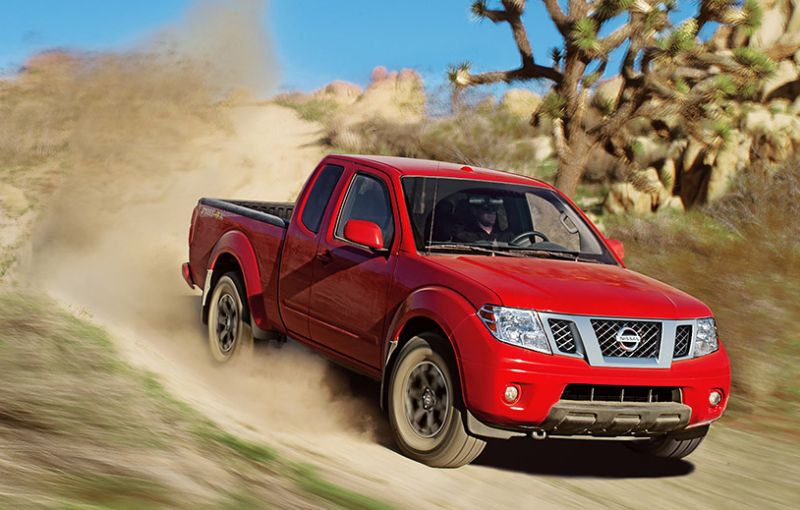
[275, 213]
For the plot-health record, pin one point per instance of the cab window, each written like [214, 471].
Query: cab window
[319, 195]
[367, 199]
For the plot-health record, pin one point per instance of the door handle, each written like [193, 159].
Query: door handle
[325, 257]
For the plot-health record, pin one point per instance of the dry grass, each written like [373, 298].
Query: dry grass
[484, 136]
[78, 428]
[742, 257]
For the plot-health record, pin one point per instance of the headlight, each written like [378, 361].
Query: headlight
[516, 326]
[706, 340]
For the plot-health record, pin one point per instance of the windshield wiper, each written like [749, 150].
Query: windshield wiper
[468, 248]
[565, 255]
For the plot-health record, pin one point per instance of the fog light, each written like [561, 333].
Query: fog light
[511, 394]
[714, 398]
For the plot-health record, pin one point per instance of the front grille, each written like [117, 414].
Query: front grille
[564, 334]
[683, 338]
[601, 393]
[649, 333]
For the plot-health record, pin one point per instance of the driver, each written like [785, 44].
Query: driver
[482, 226]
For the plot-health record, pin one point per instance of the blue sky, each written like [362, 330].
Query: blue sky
[316, 41]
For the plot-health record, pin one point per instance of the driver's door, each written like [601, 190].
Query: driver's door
[349, 293]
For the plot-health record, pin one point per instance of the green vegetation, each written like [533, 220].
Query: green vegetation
[81, 429]
[741, 256]
[313, 109]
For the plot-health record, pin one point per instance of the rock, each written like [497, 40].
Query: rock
[721, 38]
[693, 150]
[396, 97]
[787, 123]
[773, 26]
[341, 92]
[671, 203]
[520, 102]
[780, 105]
[649, 150]
[668, 175]
[648, 181]
[795, 107]
[729, 161]
[607, 90]
[542, 147]
[623, 197]
[785, 74]
[793, 26]
[757, 121]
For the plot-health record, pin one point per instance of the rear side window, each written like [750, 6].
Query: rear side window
[318, 197]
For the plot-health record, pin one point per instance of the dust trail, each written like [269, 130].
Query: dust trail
[143, 135]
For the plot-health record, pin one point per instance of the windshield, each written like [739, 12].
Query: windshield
[492, 218]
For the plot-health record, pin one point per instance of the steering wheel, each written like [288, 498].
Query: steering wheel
[532, 234]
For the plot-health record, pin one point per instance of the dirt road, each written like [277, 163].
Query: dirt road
[115, 254]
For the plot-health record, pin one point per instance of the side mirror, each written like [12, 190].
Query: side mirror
[617, 247]
[365, 233]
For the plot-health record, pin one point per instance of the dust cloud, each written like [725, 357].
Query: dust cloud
[134, 139]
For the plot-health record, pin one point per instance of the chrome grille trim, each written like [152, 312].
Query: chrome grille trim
[588, 346]
[683, 341]
[564, 335]
[649, 332]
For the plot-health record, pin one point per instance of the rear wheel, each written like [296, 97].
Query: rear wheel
[227, 317]
[427, 424]
[671, 446]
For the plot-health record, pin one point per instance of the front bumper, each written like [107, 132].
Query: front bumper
[489, 366]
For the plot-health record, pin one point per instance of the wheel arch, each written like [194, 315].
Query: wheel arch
[435, 310]
[234, 252]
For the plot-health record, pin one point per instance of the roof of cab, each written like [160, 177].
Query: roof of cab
[431, 168]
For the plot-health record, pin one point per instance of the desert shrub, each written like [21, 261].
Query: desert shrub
[481, 136]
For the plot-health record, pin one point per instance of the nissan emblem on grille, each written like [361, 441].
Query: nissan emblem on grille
[628, 339]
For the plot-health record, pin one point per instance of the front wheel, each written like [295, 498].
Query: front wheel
[671, 446]
[427, 425]
[226, 317]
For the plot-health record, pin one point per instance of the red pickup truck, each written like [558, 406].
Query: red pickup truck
[486, 304]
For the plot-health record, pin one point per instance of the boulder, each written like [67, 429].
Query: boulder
[623, 197]
[693, 150]
[757, 121]
[543, 147]
[668, 175]
[396, 97]
[773, 26]
[793, 26]
[789, 124]
[607, 89]
[729, 161]
[649, 150]
[649, 181]
[671, 203]
[341, 92]
[520, 103]
[785, 74]
[795, 107]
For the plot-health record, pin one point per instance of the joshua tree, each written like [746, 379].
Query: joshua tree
[666, 70]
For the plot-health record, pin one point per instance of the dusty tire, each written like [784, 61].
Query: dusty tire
[427, 424]
[671, 446]
[227, 318]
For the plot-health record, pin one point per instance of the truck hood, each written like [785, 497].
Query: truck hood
[578, 288]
